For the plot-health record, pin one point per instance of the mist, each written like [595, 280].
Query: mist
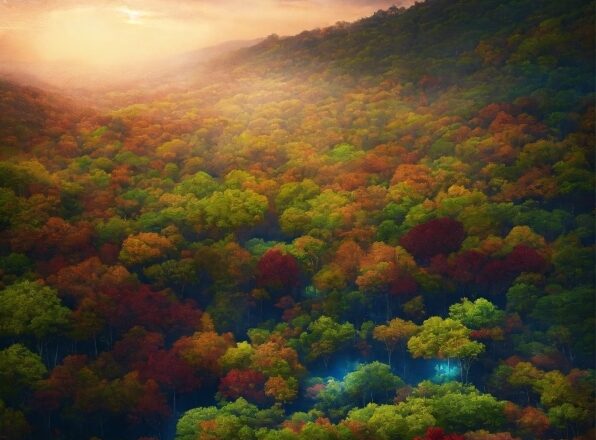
[98, 42]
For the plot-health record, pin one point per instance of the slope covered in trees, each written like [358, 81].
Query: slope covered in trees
[378, 230]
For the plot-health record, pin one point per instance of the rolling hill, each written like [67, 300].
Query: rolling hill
[376, 230]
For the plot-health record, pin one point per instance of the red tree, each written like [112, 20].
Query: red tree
[438, 236]
[439, 434]
[277, 270]
[521, 259]
[465, 267]
[170, 371]
[152, 310]
[525, 259]
[243, 383]
[150, 405]
[135, 348]
[403, 285]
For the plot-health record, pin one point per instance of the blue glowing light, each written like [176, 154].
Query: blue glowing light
[445, 371]
[341, 368]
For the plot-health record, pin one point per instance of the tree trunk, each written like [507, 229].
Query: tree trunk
[389, 352]
[387, 306]
[260, 310]
[461, 371]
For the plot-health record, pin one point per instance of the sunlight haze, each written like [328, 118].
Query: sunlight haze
[106, 33]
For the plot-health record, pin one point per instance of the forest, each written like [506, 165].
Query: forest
[376, 230]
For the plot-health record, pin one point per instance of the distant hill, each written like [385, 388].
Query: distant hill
[440, 31]
[480, 51]
[31, 116]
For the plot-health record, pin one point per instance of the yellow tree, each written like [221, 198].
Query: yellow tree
[144, 247]
[282, 390]
[445, 339]
[396, 332]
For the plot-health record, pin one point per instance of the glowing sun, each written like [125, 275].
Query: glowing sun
[133, 16]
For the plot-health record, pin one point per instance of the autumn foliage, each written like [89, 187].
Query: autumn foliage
[372, 230]
[439, 236]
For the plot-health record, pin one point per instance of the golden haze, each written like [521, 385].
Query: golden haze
[104, 33]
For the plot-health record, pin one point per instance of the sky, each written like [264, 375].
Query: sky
[116, 32]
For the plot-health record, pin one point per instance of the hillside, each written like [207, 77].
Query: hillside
[377, 230]
[33, 117]
[443, 33]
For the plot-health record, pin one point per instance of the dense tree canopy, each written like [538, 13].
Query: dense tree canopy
[236, 254]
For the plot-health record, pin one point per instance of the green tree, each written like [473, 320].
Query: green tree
[445, 339]
[233, 421]
[522, 297]
[325, 209]
[371, 382]
[295, 221]
[10, 204]
[296, 195]
[175, 273]
[200, 185]
[384, 422]
[238, 357]
[457, 412]
[113, 230]
[569, 417]
[187, 427]
[20, 369]
[476, 314]
[324, 337]
[13, 424]
[233, 208]
[30, 309]
[332, 399]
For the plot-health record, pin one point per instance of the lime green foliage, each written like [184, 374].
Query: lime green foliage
[30, 309]
[233, 208]
[324, 337]
[236, 420]
[476, 314]
[370, 382]
[20, 369]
